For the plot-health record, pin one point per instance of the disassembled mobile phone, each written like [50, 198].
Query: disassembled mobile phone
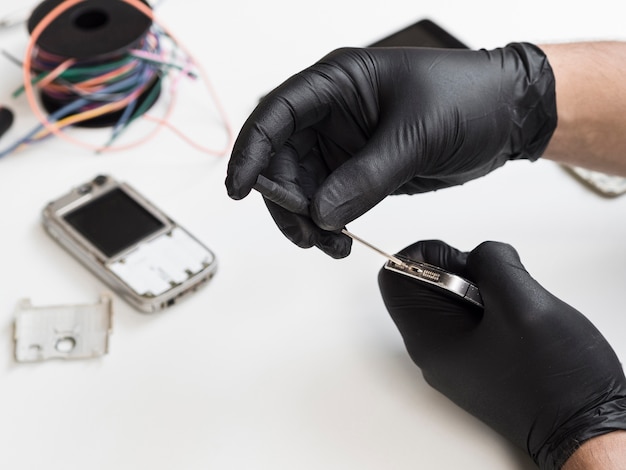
[141, 253]
[436, 276]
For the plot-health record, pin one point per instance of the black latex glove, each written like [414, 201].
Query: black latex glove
[529, 365]
[364, 123]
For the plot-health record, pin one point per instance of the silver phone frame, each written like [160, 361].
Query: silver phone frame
[96, 261]
[438, 277]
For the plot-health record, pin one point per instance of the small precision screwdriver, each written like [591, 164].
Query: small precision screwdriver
[392, 258]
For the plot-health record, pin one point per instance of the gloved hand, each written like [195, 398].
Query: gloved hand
[529, 365]
[364, 123]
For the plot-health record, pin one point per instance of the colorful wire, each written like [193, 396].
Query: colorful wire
[128, 84]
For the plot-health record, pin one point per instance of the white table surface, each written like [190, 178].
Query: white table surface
[288, 359]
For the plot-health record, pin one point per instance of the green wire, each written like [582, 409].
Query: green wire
[79, 73]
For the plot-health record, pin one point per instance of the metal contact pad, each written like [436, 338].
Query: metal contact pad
[439, 277]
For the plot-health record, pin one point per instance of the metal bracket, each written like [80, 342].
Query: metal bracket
[62, 331]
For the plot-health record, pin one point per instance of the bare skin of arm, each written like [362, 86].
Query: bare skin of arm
[606, 452]
[591, 105]
[591, 133]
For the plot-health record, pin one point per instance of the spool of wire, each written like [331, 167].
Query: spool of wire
[98, 37]
[99, 63]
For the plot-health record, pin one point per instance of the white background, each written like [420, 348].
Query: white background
[288, 358]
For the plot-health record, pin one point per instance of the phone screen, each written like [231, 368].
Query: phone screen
[424, 33]
[113, 222]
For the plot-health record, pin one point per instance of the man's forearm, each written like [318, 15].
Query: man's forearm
[591, 105]
[606, 452]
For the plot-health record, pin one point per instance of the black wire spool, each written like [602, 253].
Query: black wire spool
[97, 30]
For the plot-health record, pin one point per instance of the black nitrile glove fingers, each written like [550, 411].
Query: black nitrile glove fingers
[532, 367]
[359, 184]
[304, 233]
[508, 290]
[298, 169]
[286, 110]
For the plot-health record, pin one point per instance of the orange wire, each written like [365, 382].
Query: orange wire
[162, 122]
[95, 82]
